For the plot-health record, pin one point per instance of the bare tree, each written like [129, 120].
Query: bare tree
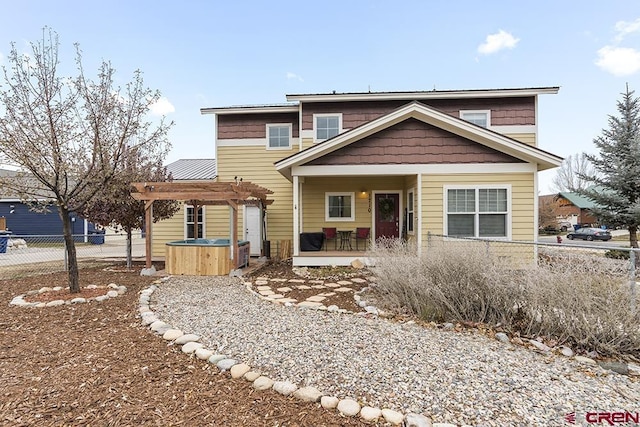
[70, 134]
[548, 208]
[573, 172]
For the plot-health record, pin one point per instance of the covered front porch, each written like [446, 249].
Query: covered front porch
[337, 219]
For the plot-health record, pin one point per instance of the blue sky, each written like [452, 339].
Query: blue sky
[220, 53]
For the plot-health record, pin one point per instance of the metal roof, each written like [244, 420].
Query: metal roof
[578, 200]
[193, 169]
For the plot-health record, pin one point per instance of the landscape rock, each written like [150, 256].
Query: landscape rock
[226, 364]
[157, 325]
[55, 303]
[112, 294]
[503, 338]
[329, 402]
[172, 334]
[183, 339]
[78, 300]
[540, 346]
[348, 407]
[617, 367]
[215, 358]
[148, 271]
[263, 383]
[357, 264]
[239, 370]
[308, 394]
[191, 347]
[583, 359]
[203, 353]
[392, 417]
[284, 387]
[417, 420]
[251, 376]
[368, 413]
[566, 351]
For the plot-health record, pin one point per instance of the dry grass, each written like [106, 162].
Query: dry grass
[580, 302]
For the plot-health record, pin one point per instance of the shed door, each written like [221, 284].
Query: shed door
[252, 229]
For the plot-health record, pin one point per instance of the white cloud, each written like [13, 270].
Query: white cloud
[294, 76]
[498, 41]
[623, 28]
[162, 107]
[619, 61]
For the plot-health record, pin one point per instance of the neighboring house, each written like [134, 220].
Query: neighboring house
[180, 226]
[573, 207]
[402, 164]
[22, 219]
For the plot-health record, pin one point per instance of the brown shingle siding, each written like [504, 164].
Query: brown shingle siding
[504, 111]
[413, 142]
[244, 126]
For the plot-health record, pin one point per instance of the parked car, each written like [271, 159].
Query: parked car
[565, 225]
[590, 233]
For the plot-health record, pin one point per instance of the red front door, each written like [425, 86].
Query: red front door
[387, 215]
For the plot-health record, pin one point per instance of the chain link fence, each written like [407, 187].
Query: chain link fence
[590, 257]
[39, 254]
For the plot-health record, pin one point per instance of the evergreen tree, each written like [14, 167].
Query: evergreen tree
[617, 190]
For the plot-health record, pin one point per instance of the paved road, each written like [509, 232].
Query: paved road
[595, 243]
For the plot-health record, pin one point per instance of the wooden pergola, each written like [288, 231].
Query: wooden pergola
[199, 194]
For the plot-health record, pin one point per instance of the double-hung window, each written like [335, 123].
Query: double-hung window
[339, 206]
[477, 212]
[477, 117]
[189, 220]
[326, 126]
[278, 136]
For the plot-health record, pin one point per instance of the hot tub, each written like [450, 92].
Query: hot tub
[203, 257]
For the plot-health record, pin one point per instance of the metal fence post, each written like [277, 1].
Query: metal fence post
[632, 279]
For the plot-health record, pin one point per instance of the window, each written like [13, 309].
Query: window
[327, 126]
[189, 222]
[410, 208]
[477, 212]
[279, 136]
[339, 206]
[477, 117]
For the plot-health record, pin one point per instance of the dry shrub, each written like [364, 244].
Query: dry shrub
[584, 303]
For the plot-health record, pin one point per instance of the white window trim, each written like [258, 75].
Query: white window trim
[485, 112]
[476, 231]
[270, 125]
[413, 210]
[187, 225]
[353, 206]
[315, 130]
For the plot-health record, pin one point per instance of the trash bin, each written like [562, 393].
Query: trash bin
[4, 241]
[266, 248]
[96, 237]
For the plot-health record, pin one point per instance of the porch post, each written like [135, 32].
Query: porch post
[296, 216]
[148, 219]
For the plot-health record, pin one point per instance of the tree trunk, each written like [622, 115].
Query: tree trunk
[633, 237]
[70, 247]
[129, 257]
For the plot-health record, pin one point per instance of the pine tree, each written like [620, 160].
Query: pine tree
[617, 189]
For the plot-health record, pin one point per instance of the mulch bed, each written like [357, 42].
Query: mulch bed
[93, 364]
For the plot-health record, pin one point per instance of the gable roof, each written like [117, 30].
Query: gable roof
[432, 116]
[193, 169]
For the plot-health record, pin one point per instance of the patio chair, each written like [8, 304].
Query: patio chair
[362, 233]
[330, 233]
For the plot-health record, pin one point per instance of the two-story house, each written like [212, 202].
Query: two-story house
[385, 164]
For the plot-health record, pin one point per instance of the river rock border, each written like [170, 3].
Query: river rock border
[237, 369]
[113, 292]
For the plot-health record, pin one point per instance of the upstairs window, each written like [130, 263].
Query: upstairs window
[326, 126]
[477, 117]
[279, 136]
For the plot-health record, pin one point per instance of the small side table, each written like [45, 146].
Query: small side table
[345, 239]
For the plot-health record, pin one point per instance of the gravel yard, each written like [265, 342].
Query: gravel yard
[460, 377]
